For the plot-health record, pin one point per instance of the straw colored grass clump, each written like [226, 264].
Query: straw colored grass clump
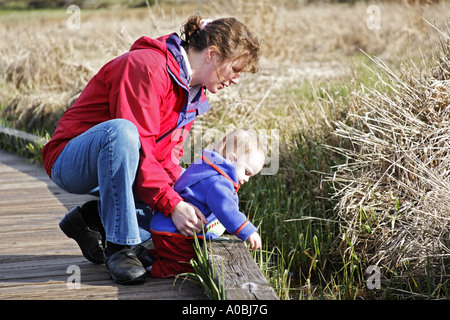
[394, 189]
[44, 65]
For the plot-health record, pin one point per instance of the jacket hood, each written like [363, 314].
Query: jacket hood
[149, 43]
[200, 170]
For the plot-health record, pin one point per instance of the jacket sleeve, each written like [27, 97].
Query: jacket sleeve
[224, 204]
[140, 95]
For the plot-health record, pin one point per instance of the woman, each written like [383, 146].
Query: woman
[123, 136]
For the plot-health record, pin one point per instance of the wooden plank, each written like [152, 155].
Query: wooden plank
[12, 137]
[158, 289]
[242, 277]
[35, 254]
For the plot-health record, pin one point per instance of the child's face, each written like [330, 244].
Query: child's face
[247, 166]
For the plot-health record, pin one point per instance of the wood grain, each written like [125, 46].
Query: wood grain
[35, 254]
[236, 268]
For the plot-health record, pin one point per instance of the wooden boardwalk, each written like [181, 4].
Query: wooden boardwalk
[37, 261]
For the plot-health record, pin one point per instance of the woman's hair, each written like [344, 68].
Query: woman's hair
[231, 37]
[241, 142]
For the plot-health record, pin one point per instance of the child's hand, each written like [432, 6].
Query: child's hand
[255, 241]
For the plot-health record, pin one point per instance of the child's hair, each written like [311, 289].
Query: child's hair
[231, 37]
[241, 142]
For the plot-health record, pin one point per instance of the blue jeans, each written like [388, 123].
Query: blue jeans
[103, 161]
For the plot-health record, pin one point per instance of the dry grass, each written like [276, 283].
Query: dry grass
[44, 65]
[393, 190]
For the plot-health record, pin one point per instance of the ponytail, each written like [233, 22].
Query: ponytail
[191, 29]
[231, 38]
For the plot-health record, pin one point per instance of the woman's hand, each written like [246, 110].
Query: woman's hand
[188, 218]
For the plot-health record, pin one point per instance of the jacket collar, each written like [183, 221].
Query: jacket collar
[174, 44]
[199, 104]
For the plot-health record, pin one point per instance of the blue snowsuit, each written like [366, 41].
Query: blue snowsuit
[211, 185]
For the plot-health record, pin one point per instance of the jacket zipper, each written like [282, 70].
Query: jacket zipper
[169, 132]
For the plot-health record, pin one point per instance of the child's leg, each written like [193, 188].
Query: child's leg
[173, 255]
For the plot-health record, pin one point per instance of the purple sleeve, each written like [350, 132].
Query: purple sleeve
[224, 204]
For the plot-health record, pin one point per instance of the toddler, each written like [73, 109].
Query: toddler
[211, 184]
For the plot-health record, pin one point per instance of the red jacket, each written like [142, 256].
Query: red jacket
[148, 87]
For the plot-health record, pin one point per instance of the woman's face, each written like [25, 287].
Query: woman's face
[221, 74]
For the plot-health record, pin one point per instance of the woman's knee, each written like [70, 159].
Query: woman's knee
[125, 133]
